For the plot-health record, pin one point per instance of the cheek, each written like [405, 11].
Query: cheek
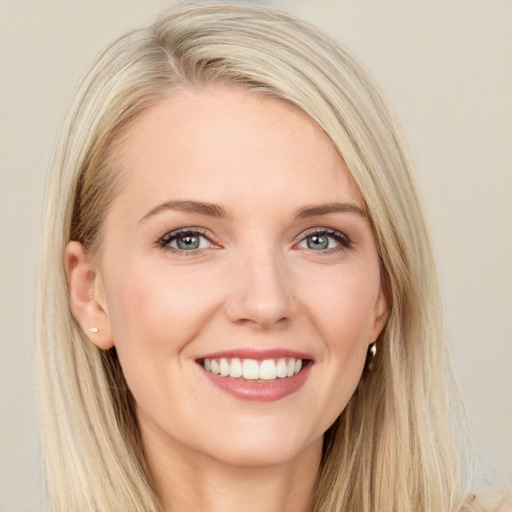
[154, 314]
[342, 302]
[343, 313]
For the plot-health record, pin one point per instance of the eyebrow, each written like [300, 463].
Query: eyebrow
[324, 209]
[214, 210]
[209, 209]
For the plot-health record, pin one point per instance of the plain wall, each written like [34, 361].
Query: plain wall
[446, 69]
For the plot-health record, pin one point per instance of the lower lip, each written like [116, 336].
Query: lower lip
[260, 391]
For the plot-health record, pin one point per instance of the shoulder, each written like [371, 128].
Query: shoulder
[495, 500]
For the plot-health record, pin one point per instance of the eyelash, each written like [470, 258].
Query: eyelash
[343, 240]
[164, 241]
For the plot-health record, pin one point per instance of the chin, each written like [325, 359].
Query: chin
[259, 448]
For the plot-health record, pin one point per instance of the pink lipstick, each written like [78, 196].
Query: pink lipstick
[257, 375]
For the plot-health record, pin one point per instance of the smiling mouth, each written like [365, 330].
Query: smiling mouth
[254, 370]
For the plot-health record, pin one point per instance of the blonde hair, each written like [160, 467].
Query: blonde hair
[392, 448]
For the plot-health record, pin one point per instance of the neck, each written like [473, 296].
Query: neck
[193, 482]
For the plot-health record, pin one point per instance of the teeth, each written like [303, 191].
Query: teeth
[235, 369]
[281, 368]
[290, 368]
[268, 370]
[250, 369]
[224, 368]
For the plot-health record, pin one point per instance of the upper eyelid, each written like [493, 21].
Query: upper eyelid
[167, 237]
[321, 229]
[326, 230]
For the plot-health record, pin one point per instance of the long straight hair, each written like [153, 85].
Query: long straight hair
[392, 448]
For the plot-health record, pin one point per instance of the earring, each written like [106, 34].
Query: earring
[93, 329]
[372, 352]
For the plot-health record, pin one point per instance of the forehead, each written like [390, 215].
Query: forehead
[219, 141]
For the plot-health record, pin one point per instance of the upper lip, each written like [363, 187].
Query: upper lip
[257, 354]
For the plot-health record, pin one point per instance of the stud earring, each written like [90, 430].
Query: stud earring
[93, 329]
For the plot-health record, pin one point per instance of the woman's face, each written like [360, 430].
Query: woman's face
[238, 243]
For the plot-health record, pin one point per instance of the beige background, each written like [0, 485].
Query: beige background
[446, 68]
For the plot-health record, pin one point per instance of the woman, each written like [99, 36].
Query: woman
[238, 304]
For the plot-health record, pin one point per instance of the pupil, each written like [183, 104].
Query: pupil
[188, 242]
[318, 242]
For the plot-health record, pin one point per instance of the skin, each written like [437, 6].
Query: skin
[257, 281]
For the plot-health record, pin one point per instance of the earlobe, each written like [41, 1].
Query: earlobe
[86, 296]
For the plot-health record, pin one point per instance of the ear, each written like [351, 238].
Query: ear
[87, 296]
[380, 314]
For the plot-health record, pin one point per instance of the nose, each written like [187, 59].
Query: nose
[261, 291]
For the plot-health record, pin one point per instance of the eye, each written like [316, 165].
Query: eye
[185, 241]
[324, 240]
